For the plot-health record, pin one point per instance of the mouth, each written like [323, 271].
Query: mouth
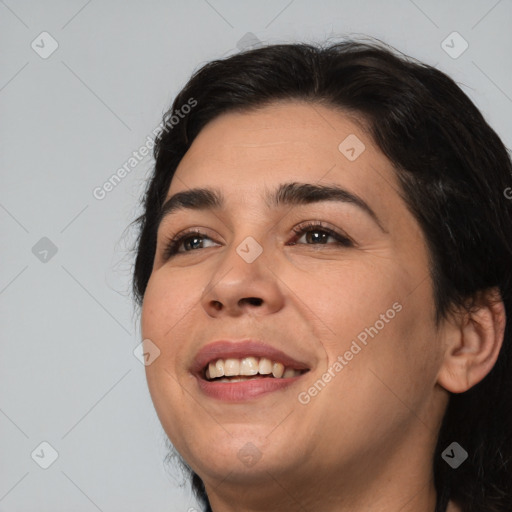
[239, 371]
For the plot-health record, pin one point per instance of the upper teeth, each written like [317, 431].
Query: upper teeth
[249, 366]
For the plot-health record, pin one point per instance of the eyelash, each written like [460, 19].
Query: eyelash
[173, 244]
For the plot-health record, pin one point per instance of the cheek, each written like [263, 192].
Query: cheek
[398, 359]
[164, 313]
[167, 300]
[152, 307]
[356, 300]
[161, 311]
[381, 321]
[390, 376]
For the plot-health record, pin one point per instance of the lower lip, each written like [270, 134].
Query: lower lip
[245, 390]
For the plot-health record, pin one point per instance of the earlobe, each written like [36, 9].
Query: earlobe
[473, 340]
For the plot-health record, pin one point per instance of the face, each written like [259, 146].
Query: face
[334, 285]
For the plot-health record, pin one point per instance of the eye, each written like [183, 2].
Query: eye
[192, 238]
[320, 234]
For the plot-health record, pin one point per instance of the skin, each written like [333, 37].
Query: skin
[366, 441]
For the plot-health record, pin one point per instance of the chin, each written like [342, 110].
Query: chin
[243, 454]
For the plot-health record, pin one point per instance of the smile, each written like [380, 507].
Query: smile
[244, 370]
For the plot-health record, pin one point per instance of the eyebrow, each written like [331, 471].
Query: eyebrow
[291, 194]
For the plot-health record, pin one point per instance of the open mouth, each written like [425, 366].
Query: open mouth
[248, 368]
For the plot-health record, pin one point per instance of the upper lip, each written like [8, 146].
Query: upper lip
[224, 349]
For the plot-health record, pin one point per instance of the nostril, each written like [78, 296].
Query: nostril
[255, 301]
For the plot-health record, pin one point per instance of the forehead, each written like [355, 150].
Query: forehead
[251, 152]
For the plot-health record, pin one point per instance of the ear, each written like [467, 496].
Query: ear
[473, 340]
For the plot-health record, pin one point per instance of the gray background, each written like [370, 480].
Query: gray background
[68, 375]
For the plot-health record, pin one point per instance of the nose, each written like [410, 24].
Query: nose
[238, 287]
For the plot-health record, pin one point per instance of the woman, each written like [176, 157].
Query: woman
[324, 264]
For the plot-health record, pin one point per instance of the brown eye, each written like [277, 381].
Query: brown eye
[317, 234]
